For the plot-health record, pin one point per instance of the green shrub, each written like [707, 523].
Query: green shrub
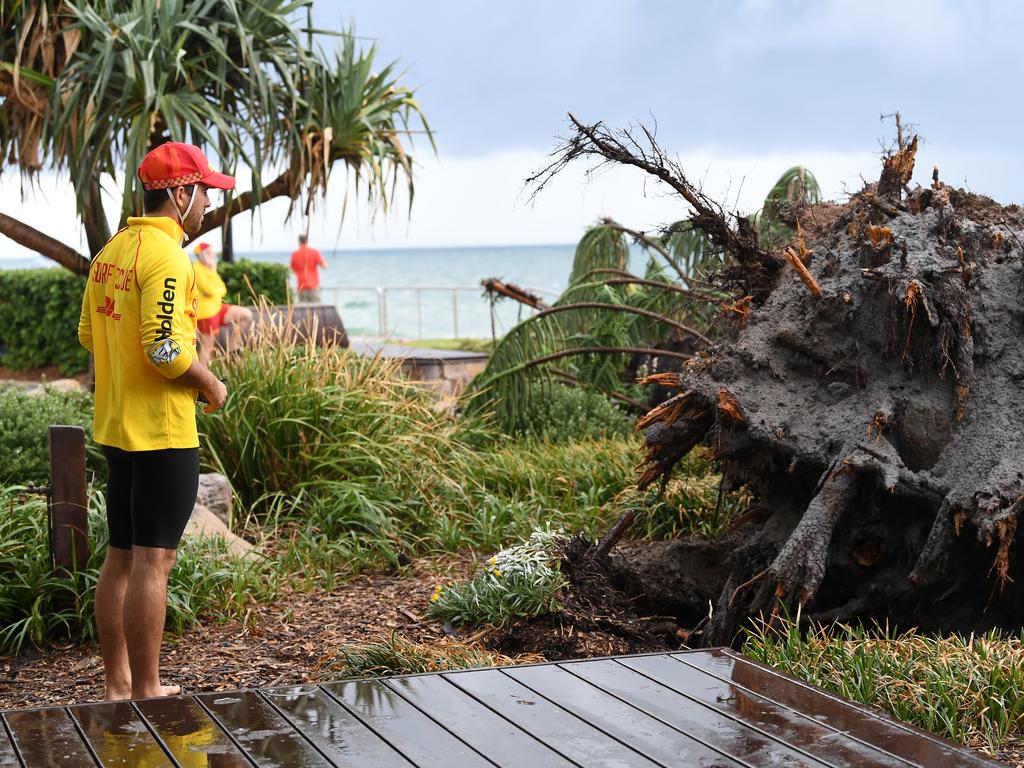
[24, 420]
[39, 310]
[518, 582]
[36, 604]
[268, 280]
[969, 689]
[560, 413]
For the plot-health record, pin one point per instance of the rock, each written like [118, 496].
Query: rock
[204, 523]
[66, 385]
[215, 494]
[42, 387]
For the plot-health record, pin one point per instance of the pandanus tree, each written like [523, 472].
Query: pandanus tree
[88, 87]
[612, 324]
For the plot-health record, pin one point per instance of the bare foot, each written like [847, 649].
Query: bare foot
[161, 690]
[117, 693]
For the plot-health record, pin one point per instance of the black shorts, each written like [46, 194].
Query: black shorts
[150, 495]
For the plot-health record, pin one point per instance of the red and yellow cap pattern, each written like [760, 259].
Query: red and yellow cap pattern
[175, 164]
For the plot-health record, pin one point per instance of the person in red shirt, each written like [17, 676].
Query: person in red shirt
[305, 262]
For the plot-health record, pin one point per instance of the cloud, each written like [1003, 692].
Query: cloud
[481, 200]
[926, 35]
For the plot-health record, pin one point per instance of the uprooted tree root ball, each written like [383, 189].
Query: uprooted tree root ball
[873, 404]
[869, 395]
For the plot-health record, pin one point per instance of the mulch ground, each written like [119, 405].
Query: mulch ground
[280, 644]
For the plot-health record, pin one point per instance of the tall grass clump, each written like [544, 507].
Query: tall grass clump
[968, 688]
[37, 604]
[337, 441]
[344, 465]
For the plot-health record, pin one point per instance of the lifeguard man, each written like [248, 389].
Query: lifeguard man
[139, 321]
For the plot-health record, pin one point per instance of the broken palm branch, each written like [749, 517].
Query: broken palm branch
[495, 287]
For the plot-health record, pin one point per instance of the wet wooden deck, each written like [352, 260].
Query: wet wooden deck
[695, 708]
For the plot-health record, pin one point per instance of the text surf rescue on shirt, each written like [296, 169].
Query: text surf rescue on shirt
[139, 321]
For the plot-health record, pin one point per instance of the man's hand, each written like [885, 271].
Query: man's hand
[199, 377]
[215, 396]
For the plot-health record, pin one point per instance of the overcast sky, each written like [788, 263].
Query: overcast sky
[739, 91]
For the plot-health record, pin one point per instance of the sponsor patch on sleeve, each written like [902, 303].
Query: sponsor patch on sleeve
[164, 352]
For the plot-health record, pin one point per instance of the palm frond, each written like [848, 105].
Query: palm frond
[610, 321]
[90, 86]
[797, 185]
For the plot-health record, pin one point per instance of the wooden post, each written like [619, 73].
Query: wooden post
[69, 502]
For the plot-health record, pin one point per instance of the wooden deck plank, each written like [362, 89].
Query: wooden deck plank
[730, 735]
[188, 733]
[488, 733]
[651, 736]
[334, 730]
[267, 738]
[795, 728]
[48, 737]
[912, 745]
[575, 738]
[408, 730]
[695, 708]
[118, 736]
[8, 755]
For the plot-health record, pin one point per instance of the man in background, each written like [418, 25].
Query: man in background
[139, 321]
[305, 262]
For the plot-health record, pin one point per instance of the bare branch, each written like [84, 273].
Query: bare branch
[606, 147]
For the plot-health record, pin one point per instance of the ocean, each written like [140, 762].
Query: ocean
[414, 293]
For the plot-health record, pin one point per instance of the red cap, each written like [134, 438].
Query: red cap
[175, 164]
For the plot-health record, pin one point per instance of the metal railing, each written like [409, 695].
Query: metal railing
[332, 293]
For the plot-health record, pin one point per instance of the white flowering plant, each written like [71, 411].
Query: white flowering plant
[517, 582]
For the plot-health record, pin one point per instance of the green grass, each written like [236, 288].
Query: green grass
[347, 466]
[398, 656]
[467, 344]
[967, 688]
[341, 466]
[37, 604]
[344, 466]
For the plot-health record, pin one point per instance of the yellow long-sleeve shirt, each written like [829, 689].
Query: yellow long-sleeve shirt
[211, 290]
[139, 321]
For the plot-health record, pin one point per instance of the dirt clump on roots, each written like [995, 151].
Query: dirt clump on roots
[871, 400]
[603, 611]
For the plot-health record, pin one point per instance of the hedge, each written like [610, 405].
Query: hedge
[39, 311]
[269, 280]
[24, 421]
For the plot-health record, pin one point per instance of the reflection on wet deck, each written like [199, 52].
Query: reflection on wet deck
[693, 708]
